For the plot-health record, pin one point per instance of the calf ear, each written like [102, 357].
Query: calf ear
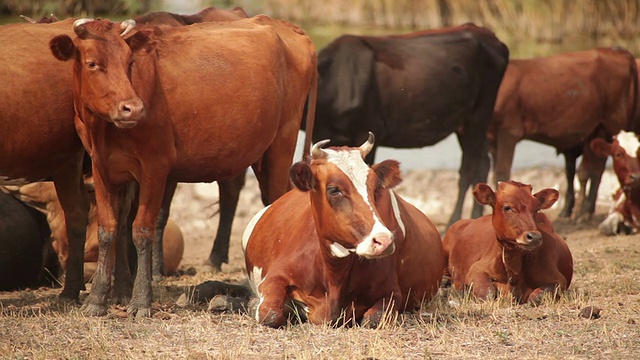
[601, 147]
[62, 47]
[388, 173]
[484, 195]
[547, 197]
[301, 177]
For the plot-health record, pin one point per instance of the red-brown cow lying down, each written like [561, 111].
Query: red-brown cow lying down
[515, 250]
[341, 244]
[42, 196]
[624, 215]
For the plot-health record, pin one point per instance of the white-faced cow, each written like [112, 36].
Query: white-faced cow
[413, 91]
[513, 251]
[195, 103]
[564, 101]
[342, 245]
[624, 215]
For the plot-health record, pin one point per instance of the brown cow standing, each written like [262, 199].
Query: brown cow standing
[342, 245]
[513, 251]
[39, 140]
[201, 103]
[564, 101]
[624, 215]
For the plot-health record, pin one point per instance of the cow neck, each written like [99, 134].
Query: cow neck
[512, 257]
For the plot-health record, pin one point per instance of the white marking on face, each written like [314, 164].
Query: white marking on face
[629, 142]
[351, 164]
[5, 180]
[396, 211]
[339, 251]
[249, 229]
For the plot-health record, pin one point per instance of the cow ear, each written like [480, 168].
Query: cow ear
[547, 197]
[301, 176]
[484, 195]
[388, 173]
[62, 47]
[601, 147]
[139, 41]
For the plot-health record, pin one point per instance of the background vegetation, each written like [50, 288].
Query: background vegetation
[545, 20]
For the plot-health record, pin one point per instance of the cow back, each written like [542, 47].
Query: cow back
[211, 81]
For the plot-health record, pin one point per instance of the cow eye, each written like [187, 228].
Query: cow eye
[92, 65]
[334, 191]
[507, 208]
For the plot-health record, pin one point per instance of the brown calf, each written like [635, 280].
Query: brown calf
[342, 245]
[513, 251]
[624, 215]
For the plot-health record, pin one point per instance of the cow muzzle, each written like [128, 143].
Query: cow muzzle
[128, 113]
[530, 240]
[377, 245]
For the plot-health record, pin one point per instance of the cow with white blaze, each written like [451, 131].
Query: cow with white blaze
[624, 215]
[341, 246]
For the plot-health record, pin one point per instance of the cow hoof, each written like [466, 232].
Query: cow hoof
[121, 298]
[66, 298]
[93, 310]
[139, 311]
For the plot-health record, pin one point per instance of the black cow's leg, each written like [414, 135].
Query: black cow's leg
[163, 217]
[474, 168]
[594, 167]
[229, 195]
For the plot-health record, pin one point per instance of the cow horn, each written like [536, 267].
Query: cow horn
[127, 26]
[316, 149]
[81, 22]
[28, 19]
[365, 148]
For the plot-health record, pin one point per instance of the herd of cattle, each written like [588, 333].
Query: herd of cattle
[113, 115]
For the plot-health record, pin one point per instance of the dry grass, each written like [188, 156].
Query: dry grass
[33, 325]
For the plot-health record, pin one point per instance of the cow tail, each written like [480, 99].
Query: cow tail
[632, 107]
[311, 110]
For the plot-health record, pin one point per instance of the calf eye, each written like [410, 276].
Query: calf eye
[507, 208]
[92, 65]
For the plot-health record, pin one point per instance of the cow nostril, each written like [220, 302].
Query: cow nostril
[533, 236]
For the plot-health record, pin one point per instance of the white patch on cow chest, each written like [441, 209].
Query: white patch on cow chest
[396, 211]
[5, 180]
[629, 142]
[249, 229]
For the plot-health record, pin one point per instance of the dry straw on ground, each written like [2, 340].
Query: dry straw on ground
[33, 325]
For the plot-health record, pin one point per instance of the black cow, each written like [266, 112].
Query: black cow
[412, 91]
[25, 246]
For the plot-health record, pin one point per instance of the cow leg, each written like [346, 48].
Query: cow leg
[108, 206]
[229, 196]
[270, 308]
[382, 311]
[75, 205]
[481, 284]
[474, 168]
[123, 281]
[144, 227]
[163, 217]
[570, 158]
[503, 158]
[593, 168]
[273, 171]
